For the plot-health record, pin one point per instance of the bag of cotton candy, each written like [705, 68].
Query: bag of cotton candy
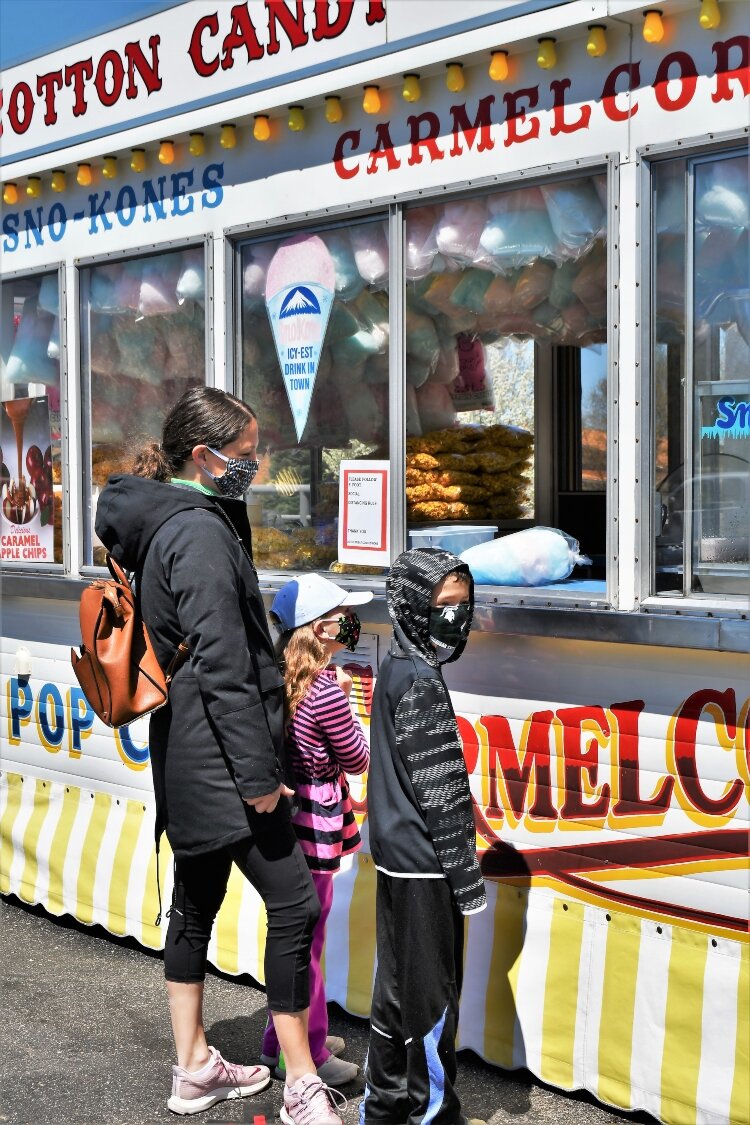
[533, 557]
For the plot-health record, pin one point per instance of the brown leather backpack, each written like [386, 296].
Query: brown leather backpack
[117, 669]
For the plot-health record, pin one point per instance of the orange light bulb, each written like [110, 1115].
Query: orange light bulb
[262, 128]
[371, 100]
[454, 77]
[499, 66]
[10, 194]
[166, 152]
[653, 28]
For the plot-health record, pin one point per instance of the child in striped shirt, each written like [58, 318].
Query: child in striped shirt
[324, 742]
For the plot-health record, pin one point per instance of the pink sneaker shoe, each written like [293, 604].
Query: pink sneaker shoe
[217, 1081]
[310, 1102]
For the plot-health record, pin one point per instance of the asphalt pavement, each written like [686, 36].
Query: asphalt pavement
[85, 1038]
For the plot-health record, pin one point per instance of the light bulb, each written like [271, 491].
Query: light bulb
[653, 28]
[334, 110]
[34, 187]
[499, 66]
[261, 128]
[597, 41]
[58, 180]
[546, 55]
[109, 167]
[196, 146]
[138, 159]
[83, 175]
[371, 100]
[296, 121]
[228, 136]
[412, 90]
[710, 15]
[10, 194]
[454, 77]
[166, 152]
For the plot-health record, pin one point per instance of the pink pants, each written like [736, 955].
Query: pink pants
[318, 1025]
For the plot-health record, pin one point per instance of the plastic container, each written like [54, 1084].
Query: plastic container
[456, 538]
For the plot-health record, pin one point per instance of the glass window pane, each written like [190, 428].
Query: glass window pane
[330, 402]
[31, 489]
[144, 344]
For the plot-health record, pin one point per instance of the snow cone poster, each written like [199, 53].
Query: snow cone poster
[299, 296]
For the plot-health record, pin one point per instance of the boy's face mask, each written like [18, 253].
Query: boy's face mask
[238, 477]
[349, 629]
[449, 625]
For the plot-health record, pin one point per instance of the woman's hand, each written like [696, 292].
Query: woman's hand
[343, 679]
[269, 801]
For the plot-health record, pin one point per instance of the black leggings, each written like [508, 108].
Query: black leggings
[273, 862]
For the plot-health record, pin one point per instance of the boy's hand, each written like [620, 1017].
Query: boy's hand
[343, 679]
[269, 801]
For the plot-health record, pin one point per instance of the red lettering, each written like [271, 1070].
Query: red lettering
[610, 91]
[351, 137]
[725, 73]
[429, 142]
[294, 26]
[558, 87]
[376, 12]
[20, 115]
[47, 86]
[75, 75]
[241, 34]
[576, 760]
[148, 71]
[195, 50]
[630, 802]
[517, 767]
[688, 77]
[482, 122]
[515, 112]
[382, 150]
[686, 730]
[470, 743]
[327, 29]
[112, 59]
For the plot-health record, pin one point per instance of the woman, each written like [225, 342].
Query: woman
[180, 523]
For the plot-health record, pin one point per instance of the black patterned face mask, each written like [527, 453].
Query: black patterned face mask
[238, 476]
[449, 624]
[349, 629]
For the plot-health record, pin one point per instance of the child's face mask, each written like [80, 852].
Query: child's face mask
[449, 624]
[349, 629]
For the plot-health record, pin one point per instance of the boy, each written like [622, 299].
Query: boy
[423, 842]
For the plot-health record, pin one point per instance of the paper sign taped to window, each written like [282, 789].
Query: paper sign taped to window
[364, 536]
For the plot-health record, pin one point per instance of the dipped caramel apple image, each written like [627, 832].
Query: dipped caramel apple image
[19, 496]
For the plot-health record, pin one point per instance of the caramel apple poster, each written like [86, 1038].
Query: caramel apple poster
[26, 504]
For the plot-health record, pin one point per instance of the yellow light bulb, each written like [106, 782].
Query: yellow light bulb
[499, 66]
[228, 136]
[653, 28]
[83, 175]
[454, 77]
[597, 41]
[262, 128]
[138, 159]
[34, 187]
[166, 152]
[546, 55]
[10, 194]
[197, 145]
[58, 180]
[710, 15]
[371, 100]
[412, 90]
[334, 110]
[109, 167]
[296, 120]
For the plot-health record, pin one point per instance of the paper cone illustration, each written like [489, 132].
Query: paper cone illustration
[299, 295]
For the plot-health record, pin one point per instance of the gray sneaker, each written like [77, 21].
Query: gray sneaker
[217, 1081]
[310, 1102]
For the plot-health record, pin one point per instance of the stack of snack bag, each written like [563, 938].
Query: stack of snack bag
[469, 472]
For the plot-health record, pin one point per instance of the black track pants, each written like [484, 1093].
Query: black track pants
[411, 1061]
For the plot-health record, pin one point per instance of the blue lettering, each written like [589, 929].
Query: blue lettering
[180, 182]
[21, 703]
[725, 413]
[52, 733]
[81, 719]
[126, 200]
[36, 227]
[213, 191]
[97, 212]
[10, 229]
[57, 217]
[138, 755]
[151, 199]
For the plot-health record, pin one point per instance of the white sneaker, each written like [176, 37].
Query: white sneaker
[309, 1102]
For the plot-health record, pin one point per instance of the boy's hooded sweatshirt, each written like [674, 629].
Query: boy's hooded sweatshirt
[421, 818]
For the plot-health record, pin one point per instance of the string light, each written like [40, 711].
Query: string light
[262, 128]
[499, 66]
[710, 15]
[653, 28]
[83, 175]
[334, 109]
[546, 56]
[109, 167]
[166, 152]
[597, 40]
[58, 180]
[412, 90]
[228, 136]
[138, 159]
[296, 120]
[454, 76]
[10, 194]
[34, 187]
[371, 100]
[196, 146]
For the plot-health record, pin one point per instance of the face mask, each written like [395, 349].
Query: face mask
[449, 624]
[349, 629]
[238, 476]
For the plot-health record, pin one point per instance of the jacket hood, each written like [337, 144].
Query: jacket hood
[411, 580]
[131, 510]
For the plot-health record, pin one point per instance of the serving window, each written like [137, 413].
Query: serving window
[701, 376]
[31, 502]
[143, 344]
